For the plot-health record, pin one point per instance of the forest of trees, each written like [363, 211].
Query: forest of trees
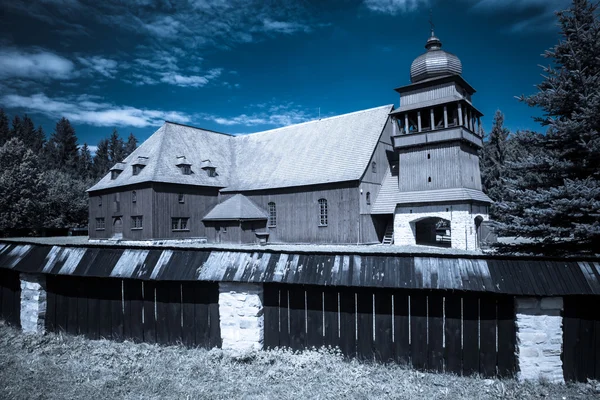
[547, 186]
[43, 182]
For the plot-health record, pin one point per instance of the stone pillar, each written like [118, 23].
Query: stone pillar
[241, 316]
[539, 338]
[33, 303]
[432, 119]
[419, 121]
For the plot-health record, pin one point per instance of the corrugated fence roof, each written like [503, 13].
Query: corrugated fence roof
[509, 276]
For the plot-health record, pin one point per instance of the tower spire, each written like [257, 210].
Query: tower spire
[431, 22]
[433, 43]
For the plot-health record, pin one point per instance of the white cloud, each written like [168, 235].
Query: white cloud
[275, 115]
[101, 65]
[284, 27]
[394, 7]
[190, 80]
[84, 110]
[164, 27]
[38, 64]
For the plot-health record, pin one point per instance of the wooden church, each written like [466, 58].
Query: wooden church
[403, 176]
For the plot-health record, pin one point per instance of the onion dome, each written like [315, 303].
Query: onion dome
[435, 62]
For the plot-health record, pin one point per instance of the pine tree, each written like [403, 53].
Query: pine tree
[85, 166]
[559, 207]
[22, 188]
[16, 128]
[116, 147]
[62, 148]
[131, 145]
[4, 128]
[494, 157]
[102, 162]
[30, 136]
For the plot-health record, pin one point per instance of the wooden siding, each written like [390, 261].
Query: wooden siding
[198, 201]
[372, 227]
[450, 166]
[298, 213]
[430, 93]
[126, 209]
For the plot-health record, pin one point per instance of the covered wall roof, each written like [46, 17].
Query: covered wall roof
[236, 208]
[505, 275]
[335, 149]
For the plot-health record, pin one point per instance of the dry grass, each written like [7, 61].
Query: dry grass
[56, 366]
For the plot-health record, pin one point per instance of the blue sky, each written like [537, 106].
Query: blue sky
[243, 66]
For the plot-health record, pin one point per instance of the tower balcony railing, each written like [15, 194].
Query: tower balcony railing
[437, 135]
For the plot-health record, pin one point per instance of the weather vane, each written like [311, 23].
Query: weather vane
[431, 21]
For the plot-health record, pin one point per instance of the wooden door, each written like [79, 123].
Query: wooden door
[118, 228]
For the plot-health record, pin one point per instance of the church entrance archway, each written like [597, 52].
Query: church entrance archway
[118, 228]
[433, 231]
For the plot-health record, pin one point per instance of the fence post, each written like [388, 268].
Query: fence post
[241, 316]
[540, 338]
[33, 303]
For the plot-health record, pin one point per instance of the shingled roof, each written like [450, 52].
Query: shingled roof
[165, 149]
[236, 208]
[335, 149]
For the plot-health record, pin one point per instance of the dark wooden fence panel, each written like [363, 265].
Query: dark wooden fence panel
[10, 297]
[581, 339]
[151, 312]
[430, 330]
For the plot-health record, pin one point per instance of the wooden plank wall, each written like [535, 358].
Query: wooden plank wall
[429, 330]
[141, 311]
[10, 297]
[449, 165]
[298, 213]
[581, 339]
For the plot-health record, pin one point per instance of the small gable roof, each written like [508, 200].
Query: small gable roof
[236, 208]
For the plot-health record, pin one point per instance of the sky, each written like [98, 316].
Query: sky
[244, 66]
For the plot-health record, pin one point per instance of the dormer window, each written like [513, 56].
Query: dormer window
[137, 169]
[184, 165]
[210, 169]
[116, 170]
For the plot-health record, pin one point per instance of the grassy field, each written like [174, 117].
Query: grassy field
[64, 367]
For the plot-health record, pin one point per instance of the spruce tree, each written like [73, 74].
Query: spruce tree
[102, 162]
[85, 166]
[31, 137]
[493, 159]
[558, 208]
[131, 145]
[62, 148]
[4, 128]
[116, 147]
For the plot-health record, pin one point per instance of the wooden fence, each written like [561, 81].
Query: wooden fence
[143, 311]
[431, 330]
[581, 338]
[10, 297]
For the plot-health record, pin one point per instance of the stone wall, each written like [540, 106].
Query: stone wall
[540, 338]
[33, 303]
[241, 316]
[461, 217]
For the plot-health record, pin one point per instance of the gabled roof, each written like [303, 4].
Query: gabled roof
[335, 149]
[164, 147]
[329, 150]
[236, 208]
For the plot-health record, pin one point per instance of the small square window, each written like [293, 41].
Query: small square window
[186, 169]
[179, 224]
[114, 174]
[134, 197]
[99, 201]
[100, 224]
[137, 222]
[137, 169]
[181, 198]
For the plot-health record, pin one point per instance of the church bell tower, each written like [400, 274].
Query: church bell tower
[437, 134]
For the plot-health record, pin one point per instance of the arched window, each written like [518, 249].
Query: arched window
[133, 197]
[369, 198]
[322, 212]
[374, 167]
[272, 221]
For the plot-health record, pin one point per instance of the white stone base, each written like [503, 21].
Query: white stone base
[241, 316]
[461, 217]
[540, 338]
[33, 303]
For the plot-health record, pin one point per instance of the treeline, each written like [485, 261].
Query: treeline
[547, 186]
[43, 182]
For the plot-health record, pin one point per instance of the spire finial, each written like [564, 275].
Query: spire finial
[431, 21]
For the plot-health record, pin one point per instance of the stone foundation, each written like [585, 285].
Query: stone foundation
[241, 316]
[461, 217]
[540, 338]
[33, 303]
